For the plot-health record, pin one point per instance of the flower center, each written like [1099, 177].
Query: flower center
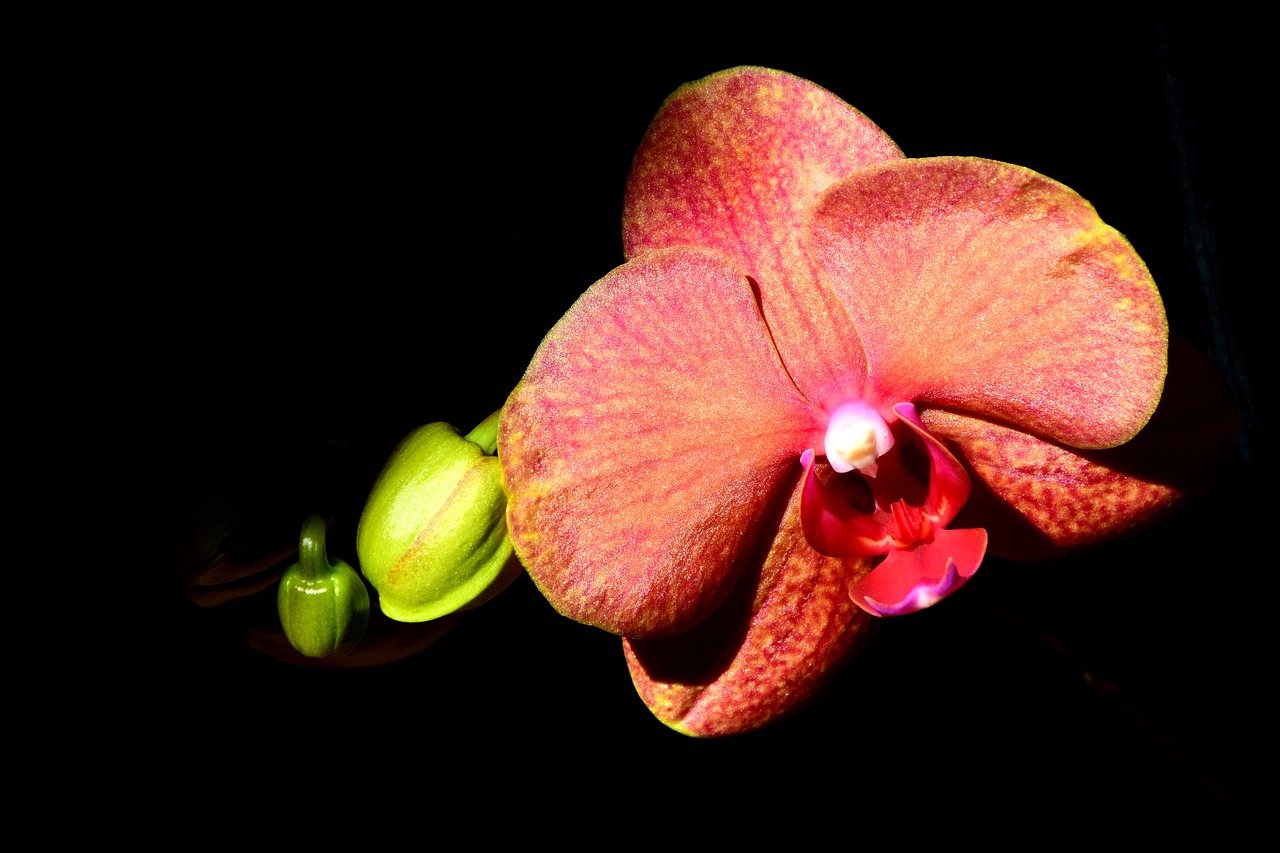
[910, 525]
[924, 561]
[856, 437]
[911, 485]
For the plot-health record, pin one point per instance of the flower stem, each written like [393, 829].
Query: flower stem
[486, 433]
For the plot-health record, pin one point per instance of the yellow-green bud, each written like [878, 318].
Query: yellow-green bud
[433, 535]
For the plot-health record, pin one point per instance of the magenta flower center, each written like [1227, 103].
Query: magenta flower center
[909, 526]
[891, 495]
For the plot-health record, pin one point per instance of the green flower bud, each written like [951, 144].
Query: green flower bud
[324, 607]
[433, 535]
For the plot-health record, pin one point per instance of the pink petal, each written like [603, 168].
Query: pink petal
[733, 162]
[832, 526]
[991, 289]
[646, 442]
[777, 640]
[911, 580]
[948, 483]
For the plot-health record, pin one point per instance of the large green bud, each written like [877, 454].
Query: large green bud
[433, 535]
[323, 605]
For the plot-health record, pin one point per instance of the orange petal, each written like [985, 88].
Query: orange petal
[988, 288]
[777, 640]
[1037, 498]
[733, 162]
[645, 442]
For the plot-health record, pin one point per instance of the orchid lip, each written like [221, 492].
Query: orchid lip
[924, 561]
[921, 596]
[912, 579]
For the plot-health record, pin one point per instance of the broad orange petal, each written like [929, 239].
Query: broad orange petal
[646, 441]
[733, 162]
[991, 289]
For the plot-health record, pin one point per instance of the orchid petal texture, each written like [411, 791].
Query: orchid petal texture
[664, 453]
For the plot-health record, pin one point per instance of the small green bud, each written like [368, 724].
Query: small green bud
[324, 606]
[433, 535]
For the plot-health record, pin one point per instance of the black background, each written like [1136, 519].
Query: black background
[371, 227]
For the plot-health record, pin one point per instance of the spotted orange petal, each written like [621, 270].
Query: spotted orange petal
[1038, 498]
[778, 639]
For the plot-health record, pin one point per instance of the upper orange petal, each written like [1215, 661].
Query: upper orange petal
[733, 162]
[989, 288]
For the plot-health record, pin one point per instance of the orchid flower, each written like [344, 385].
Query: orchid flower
[757, 434]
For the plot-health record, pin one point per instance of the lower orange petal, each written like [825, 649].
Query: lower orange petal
[781, 635]
[1038, 499]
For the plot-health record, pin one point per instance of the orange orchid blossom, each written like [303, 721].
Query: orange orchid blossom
[753, 437]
